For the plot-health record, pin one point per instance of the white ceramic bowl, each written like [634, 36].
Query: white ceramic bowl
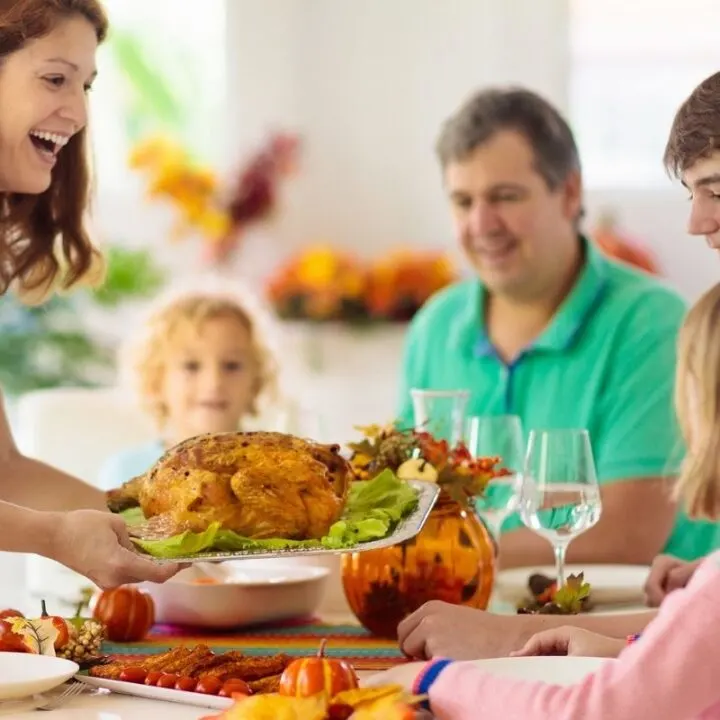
[245, 592]
[24, 674]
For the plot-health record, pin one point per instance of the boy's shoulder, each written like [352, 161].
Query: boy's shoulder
[129, 463]
[153, 449]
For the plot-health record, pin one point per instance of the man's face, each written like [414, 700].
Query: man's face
[512, 226]
[703, 181]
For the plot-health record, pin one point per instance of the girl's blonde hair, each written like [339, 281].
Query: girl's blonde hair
[143, 359]
[697, 400]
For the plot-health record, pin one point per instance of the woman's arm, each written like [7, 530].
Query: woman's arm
[92, 543]
[28, 482]
[670, 673]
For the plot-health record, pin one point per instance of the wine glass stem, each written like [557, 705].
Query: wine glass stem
[560, 551]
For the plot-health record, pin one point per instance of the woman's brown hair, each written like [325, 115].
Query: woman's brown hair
[698, 406]
[44, 243]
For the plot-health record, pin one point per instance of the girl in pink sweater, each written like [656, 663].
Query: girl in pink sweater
[671, 673]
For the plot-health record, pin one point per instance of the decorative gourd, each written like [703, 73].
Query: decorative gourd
[65, 630]
[28, 636]
[306, 677]
[126, 612]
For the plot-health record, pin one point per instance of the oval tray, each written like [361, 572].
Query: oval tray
[406, 529]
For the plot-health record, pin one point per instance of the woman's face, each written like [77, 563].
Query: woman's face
[43, 103]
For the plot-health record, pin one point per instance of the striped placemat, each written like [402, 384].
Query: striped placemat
[299, 639]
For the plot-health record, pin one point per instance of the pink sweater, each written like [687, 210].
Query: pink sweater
[671, 673]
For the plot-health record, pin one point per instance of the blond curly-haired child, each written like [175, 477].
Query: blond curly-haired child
[202, 362]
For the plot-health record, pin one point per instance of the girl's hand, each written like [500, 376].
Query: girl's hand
[571, 641]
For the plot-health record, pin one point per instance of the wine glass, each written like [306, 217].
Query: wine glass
[497, 436]
[559, 496]
[440, 413]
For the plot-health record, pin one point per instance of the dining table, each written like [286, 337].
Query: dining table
[333, 622]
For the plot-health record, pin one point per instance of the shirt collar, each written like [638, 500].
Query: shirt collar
[570, 317]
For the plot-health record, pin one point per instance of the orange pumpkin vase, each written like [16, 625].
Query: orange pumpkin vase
[306, 677]
[126, 612]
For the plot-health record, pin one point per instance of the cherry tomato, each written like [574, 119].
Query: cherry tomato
[187, 684]
[168, 680]
[234, 686]
[209, 685]
[152, 677]
[133, 675]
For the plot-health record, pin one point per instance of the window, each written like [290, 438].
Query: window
[632, 66]
[162, 69]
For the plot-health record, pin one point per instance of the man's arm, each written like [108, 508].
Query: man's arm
[28, 482]
[636, 444]
[637, 517]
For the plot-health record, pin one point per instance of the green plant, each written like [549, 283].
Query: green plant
[161, 90]
[50, 345]
[130, 274]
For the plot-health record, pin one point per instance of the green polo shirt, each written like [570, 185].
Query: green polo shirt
[605, 363]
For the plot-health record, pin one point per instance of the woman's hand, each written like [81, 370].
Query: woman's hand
[96, 544]
[571, 641]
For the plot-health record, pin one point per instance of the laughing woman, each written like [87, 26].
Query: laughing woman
[47, 67]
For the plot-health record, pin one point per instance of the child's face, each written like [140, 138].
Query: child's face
[210, 378]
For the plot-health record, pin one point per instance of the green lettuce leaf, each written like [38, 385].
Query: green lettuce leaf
[133, 516]
[373, 509]
[188, 543]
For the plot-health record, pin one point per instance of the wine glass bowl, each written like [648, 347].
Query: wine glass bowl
[559, 496]
[440, 412]
[497, 436]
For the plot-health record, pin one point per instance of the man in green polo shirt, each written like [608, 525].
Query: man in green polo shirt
[550, 329]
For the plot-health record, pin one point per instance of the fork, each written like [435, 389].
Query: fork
[53, 703]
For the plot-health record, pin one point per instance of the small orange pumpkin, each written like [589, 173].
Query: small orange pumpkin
[305, 677]
[126, 612]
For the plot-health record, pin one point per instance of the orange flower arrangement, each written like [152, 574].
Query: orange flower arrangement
[218, 215]
[323, 283]
[620, 247]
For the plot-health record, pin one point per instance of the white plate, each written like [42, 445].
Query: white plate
[611, 584]
[406, 529]
[555, 670]
[24, 674]
[156, 693]
[248, 592]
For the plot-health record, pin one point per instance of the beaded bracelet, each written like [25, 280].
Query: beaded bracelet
[633, 638]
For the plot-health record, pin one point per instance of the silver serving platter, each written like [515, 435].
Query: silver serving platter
[406, 529]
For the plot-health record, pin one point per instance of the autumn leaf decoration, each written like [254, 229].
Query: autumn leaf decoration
[418, 455]
[571, 596]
